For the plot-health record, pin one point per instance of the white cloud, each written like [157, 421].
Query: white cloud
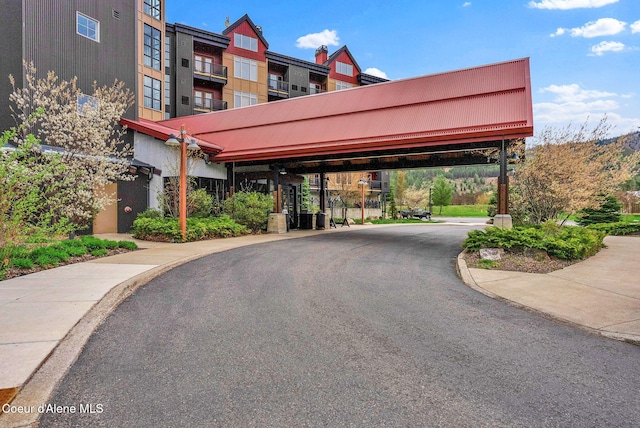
[635, 27]
[376, 72]
[315, 40]
[559, 32]
[573, 93]
[603, 47]
[576, 105]
[466, 4]
[601, 27]
[569, 4]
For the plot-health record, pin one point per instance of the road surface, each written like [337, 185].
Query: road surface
[362, 328]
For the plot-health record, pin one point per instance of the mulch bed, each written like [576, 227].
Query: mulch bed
[14, 272]
[520, 262]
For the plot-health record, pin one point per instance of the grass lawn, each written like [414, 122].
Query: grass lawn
[461, 211]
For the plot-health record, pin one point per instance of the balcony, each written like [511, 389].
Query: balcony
[201, 105]
[315, 90]
[211, 72]
[279, 88]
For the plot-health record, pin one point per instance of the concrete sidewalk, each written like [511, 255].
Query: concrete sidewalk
[601, 294]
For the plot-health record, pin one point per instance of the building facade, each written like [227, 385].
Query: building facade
[207, 72]
[174, 71]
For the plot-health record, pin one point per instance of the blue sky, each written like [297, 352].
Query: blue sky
[585, 54]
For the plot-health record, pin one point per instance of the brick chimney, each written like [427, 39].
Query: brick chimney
[322, 54]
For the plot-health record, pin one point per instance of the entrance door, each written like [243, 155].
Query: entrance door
[290, 201]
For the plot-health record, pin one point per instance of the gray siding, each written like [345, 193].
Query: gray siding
[51, 42]
[10, 54]
[183, 75]
[298, 78]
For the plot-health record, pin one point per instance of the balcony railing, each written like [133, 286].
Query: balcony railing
[203, 105]
[314, 90]
[209, 69]
[279, 86]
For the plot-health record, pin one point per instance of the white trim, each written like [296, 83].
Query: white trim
[91, 20]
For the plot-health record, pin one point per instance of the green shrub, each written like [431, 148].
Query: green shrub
[250, 209]
[617, 229]
[569, 242]
[99, 252]
[109, 244]
[150, 213]
[127, 245]
[17, 252]
[43, 255]
[76, 251]
[45, 260]
[21, 263]
[168, 229]
[199, 203]
[92, 243]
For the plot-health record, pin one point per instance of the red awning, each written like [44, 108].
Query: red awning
[480, 104]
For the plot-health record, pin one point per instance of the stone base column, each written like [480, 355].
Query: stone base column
[503, 221]
[277, 223]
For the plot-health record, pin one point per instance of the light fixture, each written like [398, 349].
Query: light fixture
[172, 141]
[185, 144]
[283, 171]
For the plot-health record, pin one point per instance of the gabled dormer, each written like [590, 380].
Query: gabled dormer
[344, 67]
[246, 39]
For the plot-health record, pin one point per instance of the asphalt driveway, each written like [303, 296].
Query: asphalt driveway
[363, 328]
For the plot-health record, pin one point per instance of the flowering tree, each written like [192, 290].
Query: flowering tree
[84, 132]
[569, 170]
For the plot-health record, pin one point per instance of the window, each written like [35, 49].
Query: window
[167, 52]
[342, 68]
[245, 69]
[245, 42]
[87, 104]
[342, 85]
[243, 99]
[167, 89]
[343, 179]
[203, 100]
[152, 8]
[152, 50]
[203, 64]
[87, 27]
[152, 93]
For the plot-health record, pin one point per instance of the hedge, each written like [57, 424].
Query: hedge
[168, 229]
[569, 242]
[617, 229]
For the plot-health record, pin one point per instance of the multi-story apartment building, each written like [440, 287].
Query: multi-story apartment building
[94, 41]
[174, 70]
[206, 72]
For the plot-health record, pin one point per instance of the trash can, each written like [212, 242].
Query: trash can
[320, 217]
[306, 221]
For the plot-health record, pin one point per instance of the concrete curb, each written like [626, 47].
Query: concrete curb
[467, 278]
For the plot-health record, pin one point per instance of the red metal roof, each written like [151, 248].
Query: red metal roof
[478, 104]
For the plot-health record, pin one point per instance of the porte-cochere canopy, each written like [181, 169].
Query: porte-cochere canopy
[441, 119]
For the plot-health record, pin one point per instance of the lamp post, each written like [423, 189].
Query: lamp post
[362, 182]
[185, 144]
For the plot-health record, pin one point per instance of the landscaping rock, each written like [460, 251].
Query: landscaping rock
[491, 253]
[538, 255]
